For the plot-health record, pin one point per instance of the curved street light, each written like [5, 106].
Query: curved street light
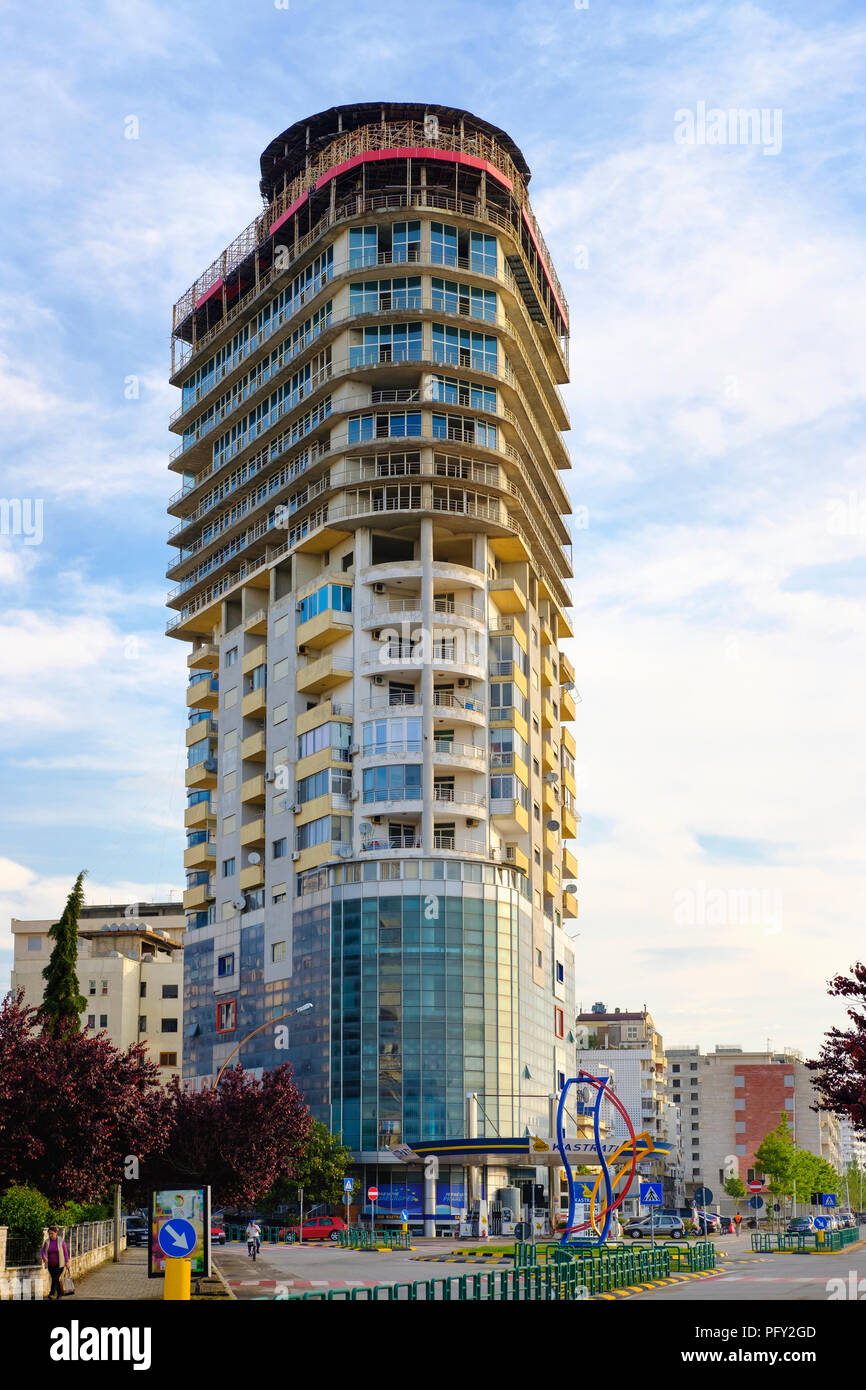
[302, 1009]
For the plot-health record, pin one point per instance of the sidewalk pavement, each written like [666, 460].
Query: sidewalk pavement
[125, 1281]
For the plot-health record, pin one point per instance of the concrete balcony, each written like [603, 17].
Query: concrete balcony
[551, 841]
[325, 628]
[200, 856]
[569, 905]
[253, 747]
[255, 704]
[447, 753]
[253, 791]
[507, 595]
[257, 623]
[569, 823]
[516, 857]
[202, 728]
[253, 833]
[509, 817]
[197, 897]
[567, 707]
[203, 693]
[549, 756]
[206, 655]
[255, 658]
[548, 798]
[202, 775]
[196, 817]
[253, 876]
[551, 884]
[569, 864]
[315, 677]
[548, 718]
[548, 674]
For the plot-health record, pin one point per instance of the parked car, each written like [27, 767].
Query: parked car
[320, 1228]
[709, 1224]
[137, 1229]
[217, 1233]
[800, 1225]
[726, 1225]
[663, 1227]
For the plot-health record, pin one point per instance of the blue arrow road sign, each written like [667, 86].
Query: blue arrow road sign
[828, 1199]
[703, 1196]
[756, 1202]
[651, 1194]
[177, 1238]
[404, 1216]
[821, 1223]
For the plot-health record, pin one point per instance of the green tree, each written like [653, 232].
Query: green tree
[736, 1188]
[774, 1157]
[319, 1170]
[25, 1211]
[63, 1002]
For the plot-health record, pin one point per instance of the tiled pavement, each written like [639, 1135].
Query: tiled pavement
[125, 1281]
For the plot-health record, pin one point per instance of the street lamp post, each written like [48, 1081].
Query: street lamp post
[302, 1009]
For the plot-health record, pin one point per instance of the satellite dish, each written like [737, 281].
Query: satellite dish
[570, 888]
[365, 827]
[254, 858]
[551, 778]
[551, 824]
[240, 904]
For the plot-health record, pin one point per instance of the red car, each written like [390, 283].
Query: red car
[319, 1228]
[217, 1234]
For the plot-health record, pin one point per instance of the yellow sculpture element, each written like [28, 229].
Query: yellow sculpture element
[645, 1147]
[539, 1144]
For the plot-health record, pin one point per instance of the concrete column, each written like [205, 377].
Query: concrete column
[474, 1188]
[362, 688]
[431, 1172]
[427, 686]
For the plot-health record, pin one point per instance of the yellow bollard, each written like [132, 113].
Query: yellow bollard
[405, 1227]
[177, 1280]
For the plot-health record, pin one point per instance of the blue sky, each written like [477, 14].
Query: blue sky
[717, 302]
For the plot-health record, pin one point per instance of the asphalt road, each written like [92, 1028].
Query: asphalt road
[782, 1278]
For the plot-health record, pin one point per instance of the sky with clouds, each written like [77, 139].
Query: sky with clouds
[718, 358]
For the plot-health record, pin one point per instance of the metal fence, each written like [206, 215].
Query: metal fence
[21, 1251]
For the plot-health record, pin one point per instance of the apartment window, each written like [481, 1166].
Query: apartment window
[539, 960]
[104, 986]
[142, 990]
[279, 897]
[695, 1110]
[740, 1127]
[142, 1023]
[92, 987]
[631, 1034]
[91, 1020]
[228, 868]
[560, 972]
[739, 1105]
[34, 943]
[693, 1095]
[279, 848]
[226, 1017]
[536, 810]
[739, 1081]
[337, 597]
[226, 964]
[169, 991]
[559, 1023]
[695, 1156]
[169, 1025]
[536, 767]
[789, 1080]
[694, 1127]
[560, 1080]
[278, 951]
[675, 1067]
[739, 1150]
[693, 1066]
[232, 656]
[537, 856]
[103, 1020]
[168, 1059]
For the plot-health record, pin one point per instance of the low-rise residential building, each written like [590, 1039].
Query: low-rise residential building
[130, 971]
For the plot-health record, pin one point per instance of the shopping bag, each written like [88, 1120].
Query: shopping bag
[67, 1283]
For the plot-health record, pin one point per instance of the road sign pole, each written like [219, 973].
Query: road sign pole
[301, 1222]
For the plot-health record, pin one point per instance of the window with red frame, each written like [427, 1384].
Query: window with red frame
[559, 1023]
[227, 1016]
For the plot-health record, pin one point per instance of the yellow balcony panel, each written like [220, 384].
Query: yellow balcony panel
[568, 781]
[321, 714]
[566, 670]
[255, 658]
[253, 790]
[257, 623]
[203, 728]
[255, 704]
[568, 742]
[569, 864]
[551, 884]
[253, 747]
[509, 817]
[313, 810]
[548, 798]
[569, 824]
[197, 897]
[253, 876]
[569, 905]
[253, 833]
[563, 625]
[323, 629]
[203, 693]
[567, 708]
[516, 857]
[551, 842]
[549, 759]
[510, 626]
[200, 856]
[205, 655]
[512, 549]
[202, 776]
[548, 675]
[318, 676]
[202, 623]
[507, 595]
[548, 718]
[196, 817]
[547, 637]
[324, 539]
[312, 858]
[516, 721]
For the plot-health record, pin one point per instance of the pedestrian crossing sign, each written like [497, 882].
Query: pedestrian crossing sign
[651, 1194]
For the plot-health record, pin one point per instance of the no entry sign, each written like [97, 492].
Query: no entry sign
[372, 1193]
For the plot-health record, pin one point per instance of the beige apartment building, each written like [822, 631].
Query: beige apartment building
[130, 970]
[731, 1099]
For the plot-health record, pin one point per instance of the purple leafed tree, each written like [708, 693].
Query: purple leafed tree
[840, 1069]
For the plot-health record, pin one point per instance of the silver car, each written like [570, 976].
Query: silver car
[662, 1227]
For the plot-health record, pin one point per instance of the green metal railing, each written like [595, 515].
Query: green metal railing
[362, 1238]
[276, 1235]
[761, 1240]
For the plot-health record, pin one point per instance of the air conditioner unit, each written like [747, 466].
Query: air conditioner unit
[302, 651]
[377, 820]
[463, 681]
[378, 588]
[354, 749]
[375, 635]
[471, 821]
[296, 806]
[296, 854]
[378, 680]
[299, 607]
[270, 777]
[353, 796]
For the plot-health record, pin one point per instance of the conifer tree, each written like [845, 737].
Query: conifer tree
[63, 1002]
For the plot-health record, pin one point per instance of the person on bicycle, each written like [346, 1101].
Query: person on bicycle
[254, 1237]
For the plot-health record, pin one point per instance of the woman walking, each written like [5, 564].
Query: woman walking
[55, 1257]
